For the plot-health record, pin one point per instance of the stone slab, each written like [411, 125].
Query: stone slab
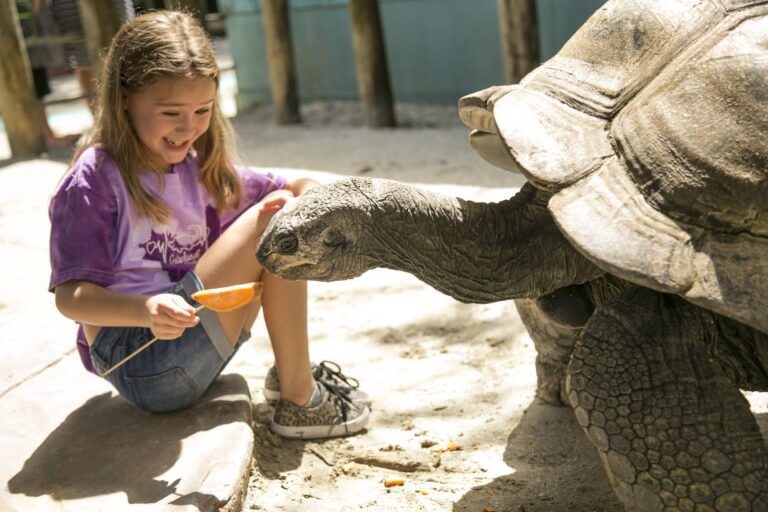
[69, 443]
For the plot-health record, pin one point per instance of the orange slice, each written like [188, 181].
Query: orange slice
[228, 298]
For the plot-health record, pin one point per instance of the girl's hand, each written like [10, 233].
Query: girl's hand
[268, 206]
[275, 200]
[169, 315]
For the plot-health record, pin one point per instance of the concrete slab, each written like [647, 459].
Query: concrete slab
[69, 443]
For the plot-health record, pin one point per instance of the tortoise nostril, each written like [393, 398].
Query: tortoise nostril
[286, 244]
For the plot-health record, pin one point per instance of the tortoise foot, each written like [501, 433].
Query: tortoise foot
[672, 429]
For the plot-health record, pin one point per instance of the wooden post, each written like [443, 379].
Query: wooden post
[371, 63]
[519, 37]
[282, 73]
[21, 108]
[101, 20]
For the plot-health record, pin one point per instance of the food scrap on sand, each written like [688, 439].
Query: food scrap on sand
[450, 446]
[392, 482]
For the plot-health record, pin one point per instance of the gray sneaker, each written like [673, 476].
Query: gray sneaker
[333, 415]
[328, 372]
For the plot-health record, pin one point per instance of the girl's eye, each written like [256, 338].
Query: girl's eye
[203, 111]
[171, 114]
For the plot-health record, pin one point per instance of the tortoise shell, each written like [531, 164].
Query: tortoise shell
[650, 128]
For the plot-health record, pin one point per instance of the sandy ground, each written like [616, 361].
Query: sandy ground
[438, 371]
[441, 374]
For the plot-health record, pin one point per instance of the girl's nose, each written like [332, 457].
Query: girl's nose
[185, 125]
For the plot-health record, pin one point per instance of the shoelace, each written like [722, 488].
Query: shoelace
[331, 372]
[340, 395]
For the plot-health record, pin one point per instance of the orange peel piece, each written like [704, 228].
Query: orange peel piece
[228, 298]
[392, 482]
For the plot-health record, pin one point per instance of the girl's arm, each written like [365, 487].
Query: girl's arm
[166, 314]
[275, 200]
[300, 185]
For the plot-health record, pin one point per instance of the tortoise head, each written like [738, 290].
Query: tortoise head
[322, 234]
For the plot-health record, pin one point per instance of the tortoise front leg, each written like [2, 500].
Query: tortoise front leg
[554, 343]
[673, 430]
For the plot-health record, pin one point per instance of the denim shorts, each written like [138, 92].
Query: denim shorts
[170, 374]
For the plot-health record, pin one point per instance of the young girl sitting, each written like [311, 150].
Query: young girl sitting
[152, 210]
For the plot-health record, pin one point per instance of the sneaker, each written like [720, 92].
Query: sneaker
[333, 415]
[328, 372]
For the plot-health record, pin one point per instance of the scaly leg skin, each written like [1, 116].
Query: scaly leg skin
[673, 431]
[554, 344]
[554, 322]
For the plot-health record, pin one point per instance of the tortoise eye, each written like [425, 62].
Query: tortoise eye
[286, 244]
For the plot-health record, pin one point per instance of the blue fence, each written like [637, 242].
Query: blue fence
[437, 50]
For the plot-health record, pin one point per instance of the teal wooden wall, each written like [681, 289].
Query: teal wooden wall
[437, 50]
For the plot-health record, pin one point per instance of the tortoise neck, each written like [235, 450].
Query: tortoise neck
[476, 252]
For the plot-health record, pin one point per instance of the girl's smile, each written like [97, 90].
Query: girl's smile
[169, 115]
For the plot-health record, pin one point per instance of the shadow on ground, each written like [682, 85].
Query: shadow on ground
[108, 446]
[273, 455]
[549, 451]
[556, 469]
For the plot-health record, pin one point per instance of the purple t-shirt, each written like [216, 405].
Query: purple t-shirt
[97, 235]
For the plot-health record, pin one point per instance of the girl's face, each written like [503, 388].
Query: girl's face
[169, 115]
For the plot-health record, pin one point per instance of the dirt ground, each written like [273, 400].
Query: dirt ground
[442, 374]
[454, 414]
[439, 372]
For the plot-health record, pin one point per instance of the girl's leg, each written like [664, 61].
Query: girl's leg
[232, 260]
[285, 315]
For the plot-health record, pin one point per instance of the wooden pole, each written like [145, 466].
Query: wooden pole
[282, 73]
[371, 63]
[101, 20]
[22, 110]
[519, 37]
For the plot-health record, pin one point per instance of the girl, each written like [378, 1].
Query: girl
[153, 210]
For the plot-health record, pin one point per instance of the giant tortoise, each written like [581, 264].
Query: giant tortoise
[643, 226]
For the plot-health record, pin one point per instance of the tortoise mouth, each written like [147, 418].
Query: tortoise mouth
[304, 271]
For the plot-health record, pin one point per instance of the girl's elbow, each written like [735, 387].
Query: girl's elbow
[62, 303]
[65, 299]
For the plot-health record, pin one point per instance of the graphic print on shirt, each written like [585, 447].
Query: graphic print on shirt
[178, 251]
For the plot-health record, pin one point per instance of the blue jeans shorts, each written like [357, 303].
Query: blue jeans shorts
[170, 374]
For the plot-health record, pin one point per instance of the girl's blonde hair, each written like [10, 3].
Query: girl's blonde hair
[161, 44]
